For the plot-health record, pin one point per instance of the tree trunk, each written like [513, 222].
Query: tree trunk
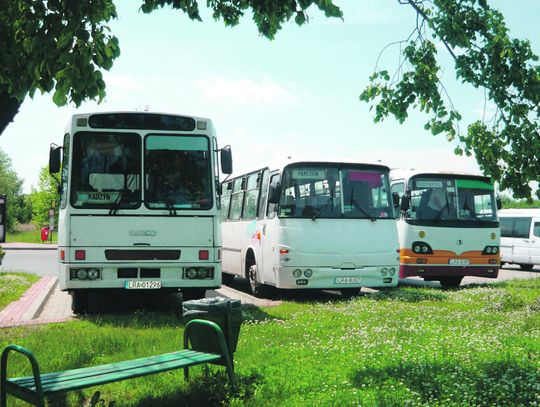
[9, 107]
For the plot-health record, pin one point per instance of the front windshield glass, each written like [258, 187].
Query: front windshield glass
[450, 199]
[335, 191]
[106, 170]
[177, 172]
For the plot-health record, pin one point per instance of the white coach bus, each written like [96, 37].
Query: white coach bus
[448, 226]
[311, 225]
[139, 204]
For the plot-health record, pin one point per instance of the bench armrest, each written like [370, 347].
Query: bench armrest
[213, 328]
[33, 361]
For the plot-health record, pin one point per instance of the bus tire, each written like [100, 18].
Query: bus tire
[526, 267]
[257, 288]
[193, 293]
[80, 302]
[349, 292]
[450, 282]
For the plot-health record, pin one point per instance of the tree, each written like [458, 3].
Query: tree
[43, 198]
[11, 186]
[58, 45]
[63, 44]
[507, 145]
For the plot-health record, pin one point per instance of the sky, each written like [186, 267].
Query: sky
[297, 95]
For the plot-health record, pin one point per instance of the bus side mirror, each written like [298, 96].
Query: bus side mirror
[274, 193]
[395, 199]
[498, 203]
[55, 159]
[405, 201]
[226, 160]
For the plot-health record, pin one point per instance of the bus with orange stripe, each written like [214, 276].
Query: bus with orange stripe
[448, 226]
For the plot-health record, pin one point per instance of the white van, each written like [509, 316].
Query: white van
[520, 237]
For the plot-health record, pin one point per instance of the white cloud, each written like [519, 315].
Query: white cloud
[241, 91]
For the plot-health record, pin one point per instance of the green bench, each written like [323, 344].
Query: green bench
[33, 389]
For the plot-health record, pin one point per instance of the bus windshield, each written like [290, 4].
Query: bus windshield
[335, 191]
[106, 170]
[451, 200]
[177, 172]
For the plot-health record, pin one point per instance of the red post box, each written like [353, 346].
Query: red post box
[44, 233]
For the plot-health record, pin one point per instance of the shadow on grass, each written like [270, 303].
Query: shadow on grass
[208, 390]
[489, 383]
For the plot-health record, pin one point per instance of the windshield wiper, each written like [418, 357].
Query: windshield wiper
[325, 205]
[116, 204]
[363, 210]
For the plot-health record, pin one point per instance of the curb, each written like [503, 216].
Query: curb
[30, 304]
[41, 299]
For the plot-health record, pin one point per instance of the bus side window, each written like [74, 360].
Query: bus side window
[536, 229]
[263, 194]
[398, 187]
[237, 199]
[226, 200]
[272, 207]
[251, 197]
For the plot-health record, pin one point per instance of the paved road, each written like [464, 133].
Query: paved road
[42, 262]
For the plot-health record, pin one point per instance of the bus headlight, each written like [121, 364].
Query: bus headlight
[391, 271]
[297, 273]
[422, 247]
[490, 250]
[93, 274]
[308, 273]
[82, 274]
[202, 273]
[384, 271]
[191, 273]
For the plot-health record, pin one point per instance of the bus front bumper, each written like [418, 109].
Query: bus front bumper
[118, 276]
[331, 278]
[433, 272]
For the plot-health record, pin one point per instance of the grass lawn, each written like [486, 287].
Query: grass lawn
[13, 285]
[27, 236]
[407, 346]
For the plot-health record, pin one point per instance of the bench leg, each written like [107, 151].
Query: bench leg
[186, 375]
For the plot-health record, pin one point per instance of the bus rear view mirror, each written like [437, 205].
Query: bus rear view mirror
[226, 160]
[55, 159]
[395, 199]
[274, 193]
[405, 201]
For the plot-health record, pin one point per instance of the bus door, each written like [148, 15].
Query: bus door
[269, 228]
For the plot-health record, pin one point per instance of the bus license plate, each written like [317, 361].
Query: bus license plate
[143, 285]
[347, 280]
[459, 262]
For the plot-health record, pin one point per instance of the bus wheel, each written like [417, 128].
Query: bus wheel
[450, 282]
[526, 267]
[193, 293]
[257, 288]
[349, 292]
[79, 302]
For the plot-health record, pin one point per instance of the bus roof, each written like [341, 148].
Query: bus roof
[282, 163]
[406, 173]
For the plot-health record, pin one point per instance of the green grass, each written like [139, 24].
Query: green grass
[408, 346]
[13, 285]
[29, 236]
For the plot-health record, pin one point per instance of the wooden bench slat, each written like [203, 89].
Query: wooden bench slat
[74, 373]
[89, 377]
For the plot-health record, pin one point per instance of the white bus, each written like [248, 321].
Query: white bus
[448, 226]
[520, 237]
[139, 204]
[311, 225]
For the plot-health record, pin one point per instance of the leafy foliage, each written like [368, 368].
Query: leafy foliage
[58, 45]
[43, 198]
[507, 146]
[11, 186]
